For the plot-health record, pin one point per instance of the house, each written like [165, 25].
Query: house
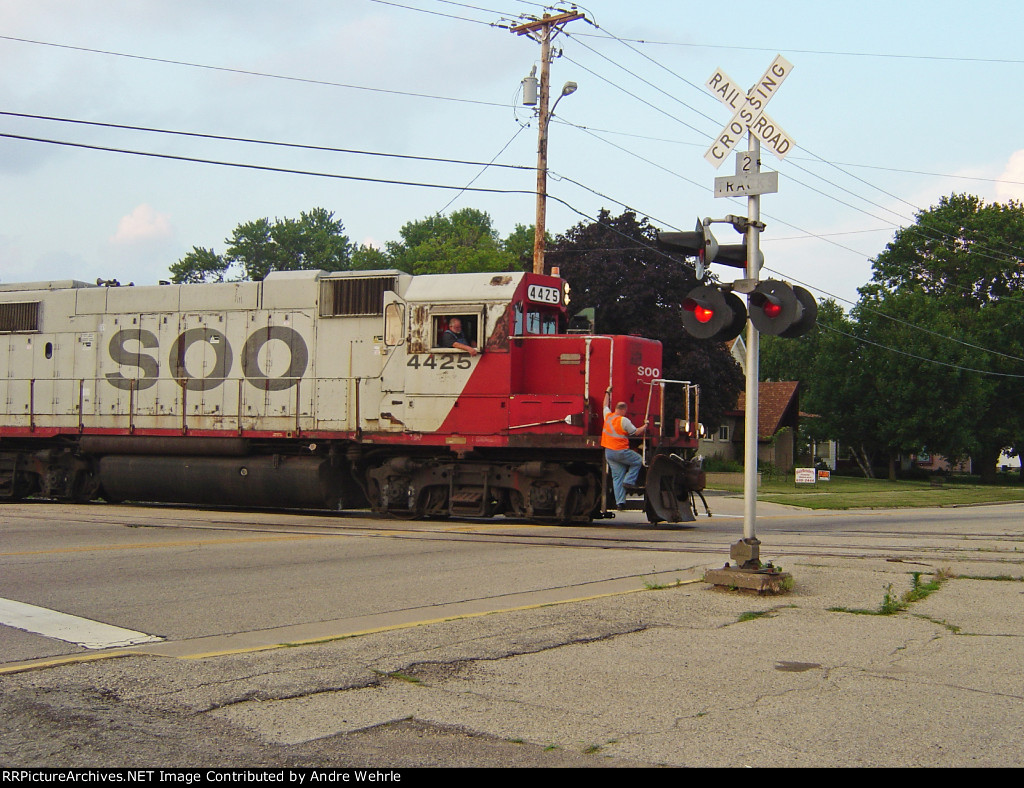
[777, 427]
[778, 408]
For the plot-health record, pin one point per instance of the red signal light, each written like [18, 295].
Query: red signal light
[771, 309]
[711, 313]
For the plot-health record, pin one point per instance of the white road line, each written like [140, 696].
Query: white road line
[81, 631]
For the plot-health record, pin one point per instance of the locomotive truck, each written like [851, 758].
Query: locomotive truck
[330, 391]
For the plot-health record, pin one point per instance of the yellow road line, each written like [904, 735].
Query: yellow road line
[187, 543]
[72, 659]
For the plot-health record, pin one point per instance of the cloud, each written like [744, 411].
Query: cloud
[142, 224]
[1011, 185]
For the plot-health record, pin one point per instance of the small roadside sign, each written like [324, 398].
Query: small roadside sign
[805, 475]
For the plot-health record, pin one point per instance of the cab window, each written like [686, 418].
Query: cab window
[534, 321]
[441, 323]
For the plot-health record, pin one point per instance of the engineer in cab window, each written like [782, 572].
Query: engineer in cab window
[454, 338]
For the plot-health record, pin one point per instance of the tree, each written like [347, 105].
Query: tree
[933, 355]
[314, 241]
[519, 244]
[836, 383]
[944, 308]
[369, 258]
[250, 248]
[462, 242]
[614, 266]
[199, 265]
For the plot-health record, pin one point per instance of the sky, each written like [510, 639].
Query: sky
[892, 105]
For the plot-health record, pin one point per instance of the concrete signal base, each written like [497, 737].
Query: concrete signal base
[750, 572]
[765, 581]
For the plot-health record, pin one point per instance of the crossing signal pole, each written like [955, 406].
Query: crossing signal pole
[751, 545]
[773, 306]
[544, 30]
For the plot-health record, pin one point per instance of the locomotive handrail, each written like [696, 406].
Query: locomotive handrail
[689, 387]
[91, 391]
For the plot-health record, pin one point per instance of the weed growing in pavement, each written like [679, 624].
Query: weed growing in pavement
[752, 615]
[951, 627]
[996, 578]
[892, 604]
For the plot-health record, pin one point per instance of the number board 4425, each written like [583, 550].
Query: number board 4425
[544, 295]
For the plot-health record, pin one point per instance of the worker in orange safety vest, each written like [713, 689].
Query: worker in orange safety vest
[623, 462]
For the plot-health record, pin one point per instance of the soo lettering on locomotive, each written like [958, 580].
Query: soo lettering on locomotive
[318, 390]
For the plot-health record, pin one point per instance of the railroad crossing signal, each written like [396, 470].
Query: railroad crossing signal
[703, 245]
[782, 310]
[775, 308]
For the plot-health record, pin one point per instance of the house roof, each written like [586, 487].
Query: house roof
[777, 406]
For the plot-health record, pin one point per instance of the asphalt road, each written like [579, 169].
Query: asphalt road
[155, 636]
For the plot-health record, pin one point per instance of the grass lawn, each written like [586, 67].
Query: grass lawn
[844, 492]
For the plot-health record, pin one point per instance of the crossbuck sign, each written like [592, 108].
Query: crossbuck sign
[748, 109]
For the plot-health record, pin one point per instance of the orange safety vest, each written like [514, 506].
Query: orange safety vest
[613, 436]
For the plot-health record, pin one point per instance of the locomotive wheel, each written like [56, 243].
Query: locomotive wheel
[435, 502]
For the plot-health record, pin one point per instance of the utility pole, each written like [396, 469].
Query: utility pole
[543, 30]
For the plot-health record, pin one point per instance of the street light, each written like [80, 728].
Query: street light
[567, 89]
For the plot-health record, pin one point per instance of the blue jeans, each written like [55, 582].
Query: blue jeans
[625, 467]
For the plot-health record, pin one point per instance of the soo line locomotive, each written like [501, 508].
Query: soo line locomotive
[330, 391]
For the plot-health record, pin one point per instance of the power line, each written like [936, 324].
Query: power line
[250, 73]
[919, 358]
[900, 321]
[261, 167]
[892, 55]
[461, 189]
[997, 254]
[300, 146]
[485, 168]
[668, 141]
[311, 173]
[435, 13]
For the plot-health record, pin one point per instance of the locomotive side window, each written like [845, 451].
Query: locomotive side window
[468, 325]
[394, 324]
[537, 321]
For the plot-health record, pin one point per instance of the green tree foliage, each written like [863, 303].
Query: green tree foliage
[519, 244]
[932, 356]
[613, 265]
[314, 241]
[461, 242]
[199, 265]
[369, 258]
[954, 282]
[834, 376]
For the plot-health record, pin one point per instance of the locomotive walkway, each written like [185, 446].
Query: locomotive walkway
[652, 668]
